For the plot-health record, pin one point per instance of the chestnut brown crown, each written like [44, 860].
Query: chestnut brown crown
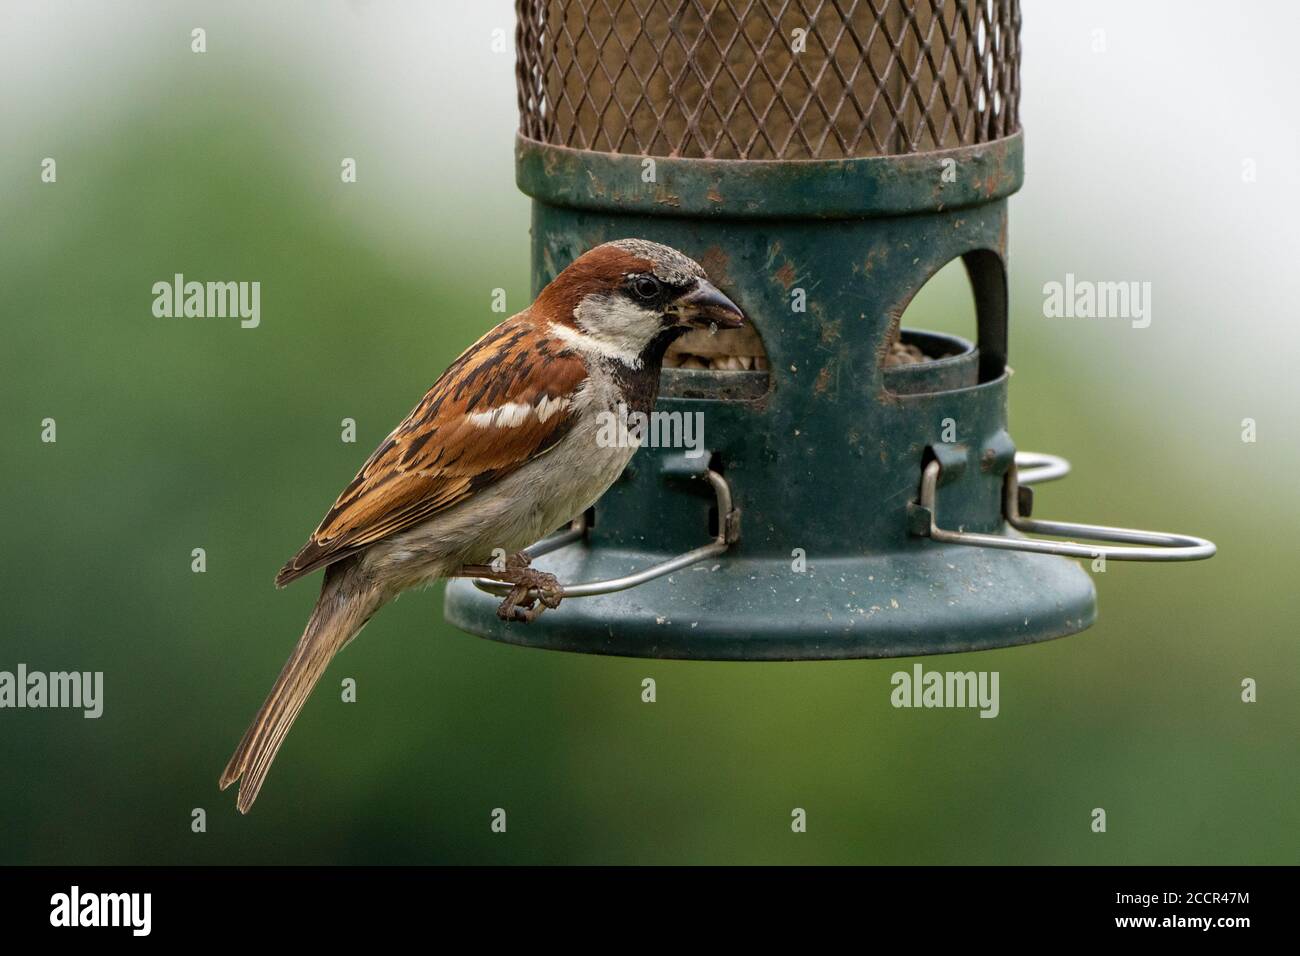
[631, 289]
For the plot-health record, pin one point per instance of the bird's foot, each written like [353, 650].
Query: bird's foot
[520, 605]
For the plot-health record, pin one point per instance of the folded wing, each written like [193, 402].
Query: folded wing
[507, 399]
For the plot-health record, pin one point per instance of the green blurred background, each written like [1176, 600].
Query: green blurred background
[175, 434]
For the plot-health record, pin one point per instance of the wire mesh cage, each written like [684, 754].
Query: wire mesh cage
[768, 79]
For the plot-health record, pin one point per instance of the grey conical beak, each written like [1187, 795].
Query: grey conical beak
[705, 306]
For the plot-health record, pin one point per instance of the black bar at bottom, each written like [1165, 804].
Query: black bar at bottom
[300, 905]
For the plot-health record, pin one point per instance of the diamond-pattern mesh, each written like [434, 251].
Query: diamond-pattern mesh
[768, 79]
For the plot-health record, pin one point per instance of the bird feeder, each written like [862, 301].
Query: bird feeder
[821, 161]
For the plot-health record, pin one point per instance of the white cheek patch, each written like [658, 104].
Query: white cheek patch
[591, 346]
[513, 414]
[612, 327]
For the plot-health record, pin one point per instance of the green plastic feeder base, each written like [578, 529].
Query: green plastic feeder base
[933, 599]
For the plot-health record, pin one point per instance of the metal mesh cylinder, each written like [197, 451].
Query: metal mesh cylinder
[768, 79]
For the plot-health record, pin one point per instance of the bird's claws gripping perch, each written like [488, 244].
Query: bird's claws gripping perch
[519, 605]
[531, 591]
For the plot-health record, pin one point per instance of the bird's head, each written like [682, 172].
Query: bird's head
[632, 297]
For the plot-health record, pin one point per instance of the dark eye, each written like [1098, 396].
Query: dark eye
[646, 288]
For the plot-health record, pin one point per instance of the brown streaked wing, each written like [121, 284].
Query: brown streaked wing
[437, 456]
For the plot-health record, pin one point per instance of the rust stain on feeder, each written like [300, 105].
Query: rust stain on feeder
[717, 264]
[830, 330]
[786, 275]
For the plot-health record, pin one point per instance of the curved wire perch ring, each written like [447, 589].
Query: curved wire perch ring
[1035, 467]
[1138, 545]
[728, 532]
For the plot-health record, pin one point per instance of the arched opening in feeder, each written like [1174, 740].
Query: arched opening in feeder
[952, 333]
[725, 365]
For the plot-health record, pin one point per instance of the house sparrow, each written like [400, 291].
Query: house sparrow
[501, 451]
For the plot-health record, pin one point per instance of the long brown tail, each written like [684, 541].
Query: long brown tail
[345, 604]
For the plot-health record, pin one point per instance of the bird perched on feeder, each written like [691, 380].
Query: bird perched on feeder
[502, 450]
